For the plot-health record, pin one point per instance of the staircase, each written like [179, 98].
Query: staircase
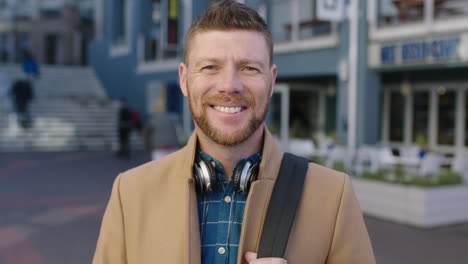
[70, 111]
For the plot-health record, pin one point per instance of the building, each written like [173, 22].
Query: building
[54, 31]
[418, 58]
[385, 72]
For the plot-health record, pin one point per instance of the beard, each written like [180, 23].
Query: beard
[227, 139]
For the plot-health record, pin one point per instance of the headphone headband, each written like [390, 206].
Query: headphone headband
[244, 174]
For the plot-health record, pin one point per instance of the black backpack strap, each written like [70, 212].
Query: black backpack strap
[282, 209]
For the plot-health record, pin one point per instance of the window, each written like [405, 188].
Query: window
[420, 116]
[309, 25]
[450, 8]
[273, 118]
[281, 20]
[304, 113]
[466, 118]
[51, 45]
[160, 33]
[284, 28]
[397, 106]
[400, 11]
[446, 117]
[120, 18]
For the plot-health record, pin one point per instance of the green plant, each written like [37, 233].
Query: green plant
[298, 130]
[400, 176]
[379, 175]
[421, 141]
[449, 177]
[317, 159]
[332, 136]
[339, 166]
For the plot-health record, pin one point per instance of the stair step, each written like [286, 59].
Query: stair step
[70, 111]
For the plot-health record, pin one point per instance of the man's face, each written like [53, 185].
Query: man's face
[229, 82]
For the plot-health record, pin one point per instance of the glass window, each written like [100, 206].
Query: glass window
[170, 51]
[119, 21]
[446, 117]
[273, 118]
[400, 11]
[160, 26]
[304, 114]
[450, 8]
[281, 20]
[397, 106]
[330, 121]
[4, 54]
[466, 118]
[420, 116]
[309, 25]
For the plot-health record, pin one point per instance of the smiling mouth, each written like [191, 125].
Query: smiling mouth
[231, 110]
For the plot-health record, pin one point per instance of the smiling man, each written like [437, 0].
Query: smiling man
[207, 202]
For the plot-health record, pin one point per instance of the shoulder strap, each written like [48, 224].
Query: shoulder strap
[282, 209]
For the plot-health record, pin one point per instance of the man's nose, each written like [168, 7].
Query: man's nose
[230, 81]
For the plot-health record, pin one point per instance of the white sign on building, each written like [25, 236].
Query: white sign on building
[330, 10]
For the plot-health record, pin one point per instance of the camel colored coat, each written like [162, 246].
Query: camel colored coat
[152, 215]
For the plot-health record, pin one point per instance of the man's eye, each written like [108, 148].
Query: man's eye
[248, 68]
[209, 67]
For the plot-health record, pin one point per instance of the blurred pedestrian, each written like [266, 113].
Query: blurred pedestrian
[22, 94]
[30, 66]
[161, 133]
[136, 119]
[125, 125]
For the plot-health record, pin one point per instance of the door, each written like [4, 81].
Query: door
[277, 119]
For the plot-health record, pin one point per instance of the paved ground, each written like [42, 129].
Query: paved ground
[51, 206]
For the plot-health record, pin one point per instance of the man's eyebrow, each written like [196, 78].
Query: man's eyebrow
[247, 61]
[202, 61]
[206, 60]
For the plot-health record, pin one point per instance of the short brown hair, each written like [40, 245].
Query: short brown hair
[229, 15]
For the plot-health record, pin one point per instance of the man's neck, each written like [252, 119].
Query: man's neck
[228, 156]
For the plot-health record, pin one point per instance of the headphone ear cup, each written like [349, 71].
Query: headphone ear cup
[237, 176]
[245, 174]
[252, 175]
[205, 176]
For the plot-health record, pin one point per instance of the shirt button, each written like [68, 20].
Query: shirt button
[221, 250]
[227, 199]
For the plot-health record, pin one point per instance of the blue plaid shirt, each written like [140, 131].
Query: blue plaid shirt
[220, 217]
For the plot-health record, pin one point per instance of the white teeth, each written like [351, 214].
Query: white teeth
[228, 109]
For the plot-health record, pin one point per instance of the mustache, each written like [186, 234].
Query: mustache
[222, 98]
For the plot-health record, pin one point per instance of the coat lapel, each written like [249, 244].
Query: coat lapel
[194, 256]
[259, 197]
[192, 235]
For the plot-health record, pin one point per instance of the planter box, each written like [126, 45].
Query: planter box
[422, 207]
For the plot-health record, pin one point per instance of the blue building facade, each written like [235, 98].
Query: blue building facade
[357, 80]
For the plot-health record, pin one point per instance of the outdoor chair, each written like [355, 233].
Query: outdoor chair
[301, 147]
[366, 160]
[460, 165]
[430, 164]
[339, 154]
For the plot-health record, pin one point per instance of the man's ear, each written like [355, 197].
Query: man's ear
[183, 78]
[274, 73]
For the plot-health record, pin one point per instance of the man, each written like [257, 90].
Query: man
[22, 95]
[124, 128]
[157, 215]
